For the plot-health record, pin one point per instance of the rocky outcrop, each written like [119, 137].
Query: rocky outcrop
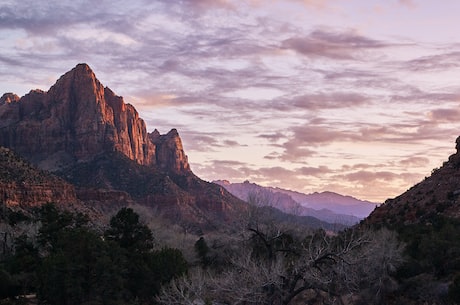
[78, 119]
[8, 98]
[32, 195]
[74, 121]
[22, 185]
[437, 194]
[170, 155]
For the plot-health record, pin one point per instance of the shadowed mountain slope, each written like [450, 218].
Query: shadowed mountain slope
[436, 195]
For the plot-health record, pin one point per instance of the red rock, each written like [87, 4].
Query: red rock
[170, 155]
[8, 98]
[25, 186]
[77, 119]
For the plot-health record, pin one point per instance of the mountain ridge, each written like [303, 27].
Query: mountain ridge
[326, 206]
[437, 195]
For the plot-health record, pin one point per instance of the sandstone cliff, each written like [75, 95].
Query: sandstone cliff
[78, 119]
[170, 155]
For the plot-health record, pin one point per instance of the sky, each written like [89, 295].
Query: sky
[358, 97]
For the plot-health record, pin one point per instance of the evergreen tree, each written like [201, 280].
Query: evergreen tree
[126, 230]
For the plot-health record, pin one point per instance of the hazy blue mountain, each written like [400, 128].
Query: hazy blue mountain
[326, 206]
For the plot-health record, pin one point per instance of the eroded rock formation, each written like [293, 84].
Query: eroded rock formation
[77, 119]
[23, 185]
[86, 134]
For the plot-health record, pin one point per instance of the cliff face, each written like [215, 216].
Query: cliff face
[76, 120]
[25, 186]
[32, 195]
[438, 194]
[170, 155]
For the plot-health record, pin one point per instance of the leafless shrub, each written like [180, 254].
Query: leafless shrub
[353, 267]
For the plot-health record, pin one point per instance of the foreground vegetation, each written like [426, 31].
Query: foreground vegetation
[67, 261]
[432, 269]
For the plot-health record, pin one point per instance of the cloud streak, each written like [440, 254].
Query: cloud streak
[332, 45]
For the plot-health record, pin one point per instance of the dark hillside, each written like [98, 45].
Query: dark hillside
[427, 218]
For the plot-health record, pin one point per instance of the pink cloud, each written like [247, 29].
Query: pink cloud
[273, 136]
[356, 166]
[415, 162]
[408, 3]
[295, 153]
[376, 132]
[367, 176]
[444, 115]
[221, 169]
[314, 134]
[329, 100]
[315, 3]
[314, 171]
[206, 4]
[437, 62]
[334, 45]
[231, 143]
[201, 142]
[318, 4]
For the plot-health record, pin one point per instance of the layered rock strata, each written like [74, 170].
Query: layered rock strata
[79, 118]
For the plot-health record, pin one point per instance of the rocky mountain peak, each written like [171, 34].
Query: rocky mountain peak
[80, 81]
[79, 118]
[80, 72]
[154, 135]
[170, 155]
[8, 98]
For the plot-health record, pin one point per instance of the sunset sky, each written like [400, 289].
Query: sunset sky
[359, 97]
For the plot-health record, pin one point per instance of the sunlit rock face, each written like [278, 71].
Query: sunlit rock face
[170, 155]
[77, 119]
[8, 98]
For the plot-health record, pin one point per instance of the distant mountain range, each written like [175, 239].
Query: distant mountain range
[326, 206]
